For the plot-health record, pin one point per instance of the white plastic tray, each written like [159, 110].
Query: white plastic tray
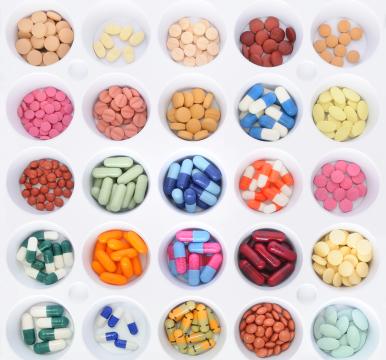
[156, 76]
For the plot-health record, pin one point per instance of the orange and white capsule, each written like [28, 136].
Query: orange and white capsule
[277, 165]
[246, 179]
[276, 196]
[263, 175]
[284, 188]
[286, 176]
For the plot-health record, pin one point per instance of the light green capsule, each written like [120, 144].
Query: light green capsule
[117, 198]
[140, 189]
[105, 192]
[130, 174]
[330, 331]
[118, 162]
[96, 188]
[103, 172]
[343, 323]
[342, 352]
[360, 320]
[130, 187]
[132, 204]
[328, 344]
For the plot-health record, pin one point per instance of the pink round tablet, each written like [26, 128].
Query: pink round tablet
[329, 204]
[341, 165]
[339, 194]
[327, 169]
[320, 181]
[358, 179]
[346, 183]
[353, 169]
[321, 194]
[346, 205]
[353, 194]
[331, 186]
[362, 188]
[337, 176]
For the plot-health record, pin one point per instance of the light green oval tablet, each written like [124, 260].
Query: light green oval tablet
[105, 191]
[318, 321]
[118, 162]
[328, 344]
[130, 174]
[363, 110]
[353, 336]
[130, 187]
[343, 323]
[362, 342]
[338, 95]
[331, 315]
[330, 331]
[351, 95]
[103, 172]
[360, 320]
[318, 113]
[342, 352]
[337, 113]
[140, 189]
[343, 340]
[117, 198]
[345, 312]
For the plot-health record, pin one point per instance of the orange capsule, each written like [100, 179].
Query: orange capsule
[136, 241]
[100, 246]
[113, 279]
[137, 266]
[118, 255]
[127, 267]
[97, 267]
[259, 196]
[105, 261]
[115, 244]
[119, 269]
[109, 251]
[255, 205]
[110, 234]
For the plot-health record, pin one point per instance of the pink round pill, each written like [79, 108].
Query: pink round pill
[337, 176]
[339, 194]
[320, 181]
[29, 114]
[331, 186]
[353, 169]
[40, 95]
[345, 205]
[362, 188]
[346, 183]
[29, 98]
[60, 95]
[329, 204]
[327, 169]
[353, 194]
[321, 194]
[341, 165]
[358, 179]
[50, 91]
[49, 109]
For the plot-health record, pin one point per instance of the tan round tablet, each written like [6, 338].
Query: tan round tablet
[172, 43]
[50, 58]
[62, 50]
[340, 50]
[188, 99]
[54, 15]
[189, 61]
[193, 126]
[186, 37]
[175, 30]
[184, 23]
[213, 113]
[213, 48]
[353, 56]
[37, 43]
[201, 135]
[66, 36]
[197, 111]
[24, 35]
[183, 114]
[324, 30]
[202, 42]
[208, 100]
[178, 99]
[177, 54]
[62, 25]
[198, 95]
[202, 59]
[331, 41]
[51, 43]
[23, 46]
[177, 126]
[320, 45]
[356, 33]
[34, 57]
[186, 135]
[39, 30]
[25, 25]
[211, 33]
[199, 28]
[344, 39]
[209, 124]
[51, 28]
[39, 17]
[170, 115]
[344, 26]
[337, 61]
[190, 50]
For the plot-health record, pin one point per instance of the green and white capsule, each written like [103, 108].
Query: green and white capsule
[42, 311]
[55, 276]
[49, 346]
[58, 256]
[22, 252]
[38, 265]
[46, 235]
[44, 245]
[68, 254]
[28, 329]
[55, 334]
[35, 274]
[49, 261]
[32, 246]
[52, 322]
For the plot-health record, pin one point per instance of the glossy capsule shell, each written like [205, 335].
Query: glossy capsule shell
[192, 236]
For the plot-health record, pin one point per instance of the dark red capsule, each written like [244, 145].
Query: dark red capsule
[277, 249]
[267, 256]
[280, 275]
[251, 273]
[268, 235]
[255, 259]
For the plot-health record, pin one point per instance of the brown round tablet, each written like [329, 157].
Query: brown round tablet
[23, 46]
[35, 57]
[25, 25]
[66, 36]
[39, 17]
[62, 50]
[50, 58]
[51, 43]
[324, 30]
[39, 30]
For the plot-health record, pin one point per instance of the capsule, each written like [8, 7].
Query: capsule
[38, 265]
[49, 261]
[58, 256]
[40, 311]
[28, 329]
[207, 167]
[205, 248]
[281, 251]
[213, 322]
[251, 273]
[190, 200]
[205, 183]
[104, 315]
[262, 103]
[202, 205]
[194, 269]
[201, 347]
[131, 324]
[115, 317]
[180, 257]
[280, 275]
[170, 326]
[55, 276]
[247, 177]
[248, 120]
[22, 251]
[210, 269]
[198, 337]
[268, 235]
[264, 134]
[195, 326]
[44, 245]
[106, 336]
[49, 346]
[252, 94]
[285, 100]
[202, 317]
[32, 246]
[186, 322]
[269, 123]
[55, 334]
[183, 179]
[177, 313]
[204, 196]
[46, 235]
[267, 256]
[52, 322]
[280, 117]
[36, 274]
[180, 341]
[68, 255]
[253, 258]
[171, 260]
[170, 181]
[178, 198]
[125, 344]
[188, 236]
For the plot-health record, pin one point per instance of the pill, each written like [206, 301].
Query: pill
[106, 336]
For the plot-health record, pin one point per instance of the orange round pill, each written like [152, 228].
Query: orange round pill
[356, 33]
[353, 57]
[332, 41]
[324, 30]
[344, 26]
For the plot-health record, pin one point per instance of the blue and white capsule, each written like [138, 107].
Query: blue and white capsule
[280, 117]
[183, 178]
[285, 100]
[190, 200]
[131, 324]
[248, 121]
[170, 181]
[204, 196]
[269, 123]
[252, 94]
[264, 134]
[207, 167]
[106, 336]
[104, 315]
[262, 103]
[115, 317]
[178, 198]
[125, 344]
[204, 182]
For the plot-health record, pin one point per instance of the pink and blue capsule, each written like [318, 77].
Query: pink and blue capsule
[252, 94]
[204, 196]
[280, 117]
[263, 103]
[264, 134]
[171, 260]
[183, 178]
[178, 198]
[170, 181]
[269, 123]
[285, 100]
[125, 344]
[204, 182]
[104, 315]
[180, 257]
[248, 121]
[207, 167]
[188, 236]
[131, 324]
[190, 200]
[205, 248]
[107, 336]
[115, 317]
[211, 268]
[194, 270]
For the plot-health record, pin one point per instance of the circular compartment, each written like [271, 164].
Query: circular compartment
[373, 329]
[277, 8]
[17, 267]
[273, 235]
[193, 197]
[207, 254]
[119, 12]
[102, 83]
[21, 88]
[297, 340]
[25, 11]
[345, 229]
[17, 167]
[132, 310]
[217, 331]
[368, 168]
[361, 87]
[194, 11]
[89, 249]
[14, 332]
[361, 15]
